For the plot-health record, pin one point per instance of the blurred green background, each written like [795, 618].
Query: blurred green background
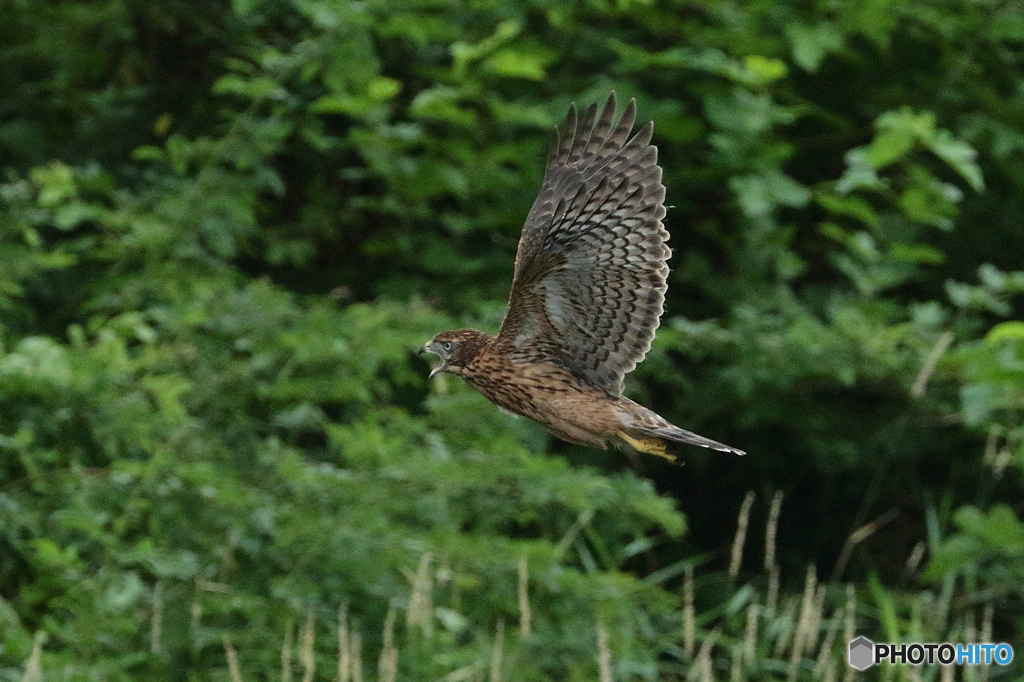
[225, 227]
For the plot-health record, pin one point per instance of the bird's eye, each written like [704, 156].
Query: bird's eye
[447, 345]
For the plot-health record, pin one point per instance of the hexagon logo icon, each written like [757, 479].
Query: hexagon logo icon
[862, 653]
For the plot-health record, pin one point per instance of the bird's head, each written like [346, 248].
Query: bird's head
[456, 349]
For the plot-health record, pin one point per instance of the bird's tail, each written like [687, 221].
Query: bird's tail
[647, 425]
[672, 432]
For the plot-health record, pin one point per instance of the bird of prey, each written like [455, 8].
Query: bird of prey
[587, 293]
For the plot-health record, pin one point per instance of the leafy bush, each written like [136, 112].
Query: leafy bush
[225, 228]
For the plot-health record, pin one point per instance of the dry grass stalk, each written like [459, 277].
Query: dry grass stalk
[702, 667]
[306, 654]
[34, 665]
[814, 625]
[525, 616]
[750, 631]
[736, 665]
[709, 642]
[736, 558]
[1001, 461]
[858, 536]
[788, 619]
[211, 586]
[387, 666]
[444, 569]
[823, 664]
[465, 673]
[156, 621]
[497, 651]
[689, 619]
[356, 643]
[914, 560]
[604, 654]
[770, 530]
[344, 648]
[800, 636]
[420, 607]
[850, 627]
[195, 614]
[570, 535]
[286, 651]
[234, 672]
[771, 601]
[991, 442]
[946, 673]
[925, 373]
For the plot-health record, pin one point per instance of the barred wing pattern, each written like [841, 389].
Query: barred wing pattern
[591, 266]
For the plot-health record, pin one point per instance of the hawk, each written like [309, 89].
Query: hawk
[587, 293]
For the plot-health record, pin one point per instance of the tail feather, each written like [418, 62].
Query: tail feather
[641, 422]
[683, 436]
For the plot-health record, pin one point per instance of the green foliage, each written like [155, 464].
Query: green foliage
[991, 544]
[992, 394]
[225, 228]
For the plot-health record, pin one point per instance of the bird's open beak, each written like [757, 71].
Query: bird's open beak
[434, 371]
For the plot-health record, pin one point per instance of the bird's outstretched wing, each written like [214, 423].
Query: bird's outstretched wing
[590, 270]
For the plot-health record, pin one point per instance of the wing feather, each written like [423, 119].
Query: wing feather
[590, 272]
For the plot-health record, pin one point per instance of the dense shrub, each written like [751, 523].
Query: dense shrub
[226, 227]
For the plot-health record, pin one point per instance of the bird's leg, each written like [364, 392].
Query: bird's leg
[652, 446]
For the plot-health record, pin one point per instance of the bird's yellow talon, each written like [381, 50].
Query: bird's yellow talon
[652, 446]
